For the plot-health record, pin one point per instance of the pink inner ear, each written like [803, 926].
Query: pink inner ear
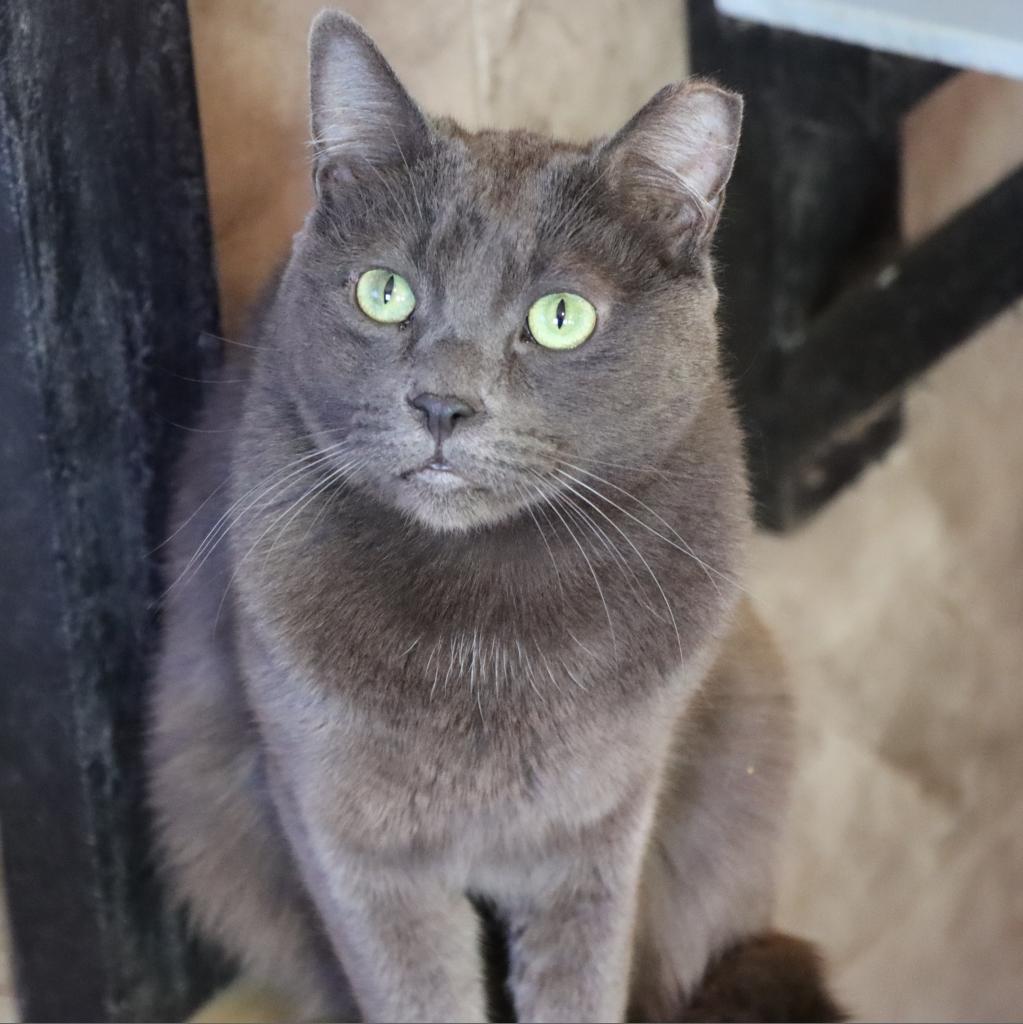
[712, 137]
[361, 114]
[694, 137]
[674, 159]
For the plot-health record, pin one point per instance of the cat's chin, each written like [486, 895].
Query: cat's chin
[448, 503]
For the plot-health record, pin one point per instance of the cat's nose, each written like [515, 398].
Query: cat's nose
[442, 413]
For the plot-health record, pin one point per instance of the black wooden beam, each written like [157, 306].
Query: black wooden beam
[105, 286]
[860, 352]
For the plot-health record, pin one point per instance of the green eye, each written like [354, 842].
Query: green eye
[384, 296]
[561, 320]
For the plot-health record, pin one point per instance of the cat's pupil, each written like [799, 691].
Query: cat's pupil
[559, 315]
[389, 289]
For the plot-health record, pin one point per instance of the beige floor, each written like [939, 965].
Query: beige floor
[900, 607]
[901, 610]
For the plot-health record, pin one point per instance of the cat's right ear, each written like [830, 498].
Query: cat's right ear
[671, 162]
[362, 117]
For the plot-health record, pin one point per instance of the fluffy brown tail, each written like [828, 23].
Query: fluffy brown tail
[769, 977]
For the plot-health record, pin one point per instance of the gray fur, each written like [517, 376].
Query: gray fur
[378, 695]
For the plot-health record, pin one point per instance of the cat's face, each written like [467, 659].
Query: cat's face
[481, 320]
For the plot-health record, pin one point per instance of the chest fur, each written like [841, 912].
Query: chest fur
[466, 761]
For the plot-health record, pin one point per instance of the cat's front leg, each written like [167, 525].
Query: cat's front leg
[408, 942]
[410, 946]
[570, 931]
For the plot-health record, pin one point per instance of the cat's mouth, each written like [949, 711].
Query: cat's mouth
[444, 496]
[438, 473]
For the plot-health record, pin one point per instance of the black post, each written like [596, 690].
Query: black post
[812, 209]
[859, 353]
[105, 287]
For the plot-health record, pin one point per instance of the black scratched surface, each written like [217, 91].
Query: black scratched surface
[858, 353]
[105, 287]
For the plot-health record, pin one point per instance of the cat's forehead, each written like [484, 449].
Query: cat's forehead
[510, 154]
[492, 214]
[506, 170]
[505, 196]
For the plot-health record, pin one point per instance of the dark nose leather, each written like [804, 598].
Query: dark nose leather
[442, 414]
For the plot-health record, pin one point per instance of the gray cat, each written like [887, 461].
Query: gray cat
[455, 612]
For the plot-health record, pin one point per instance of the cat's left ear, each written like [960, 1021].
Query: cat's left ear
[362, 117]
[672, 160]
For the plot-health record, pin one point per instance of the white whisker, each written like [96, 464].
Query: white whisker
[234, 513]
[628, 540]
[294, 509]
[589, 564]
[683, 546]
